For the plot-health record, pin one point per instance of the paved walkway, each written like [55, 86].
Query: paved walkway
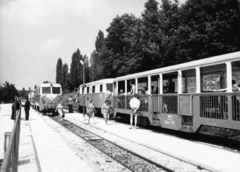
[41, 148]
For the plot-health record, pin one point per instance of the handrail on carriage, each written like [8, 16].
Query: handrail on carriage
[10, 161]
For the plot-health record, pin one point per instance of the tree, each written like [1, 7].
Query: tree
[10, 90]
[64, 77]
[76, 69]
[121, 53]
[59, 77]
[97, 60]
[3, 94]
[209, 28]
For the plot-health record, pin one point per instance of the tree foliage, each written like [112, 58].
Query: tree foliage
[8, 92]
[59, 74]
[163, 35]
[65, 77]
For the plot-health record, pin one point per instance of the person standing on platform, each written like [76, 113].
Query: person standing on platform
[27, 108]
[91, 111]
[105, 110]
[60, 111]
[15, 106]
[70, 103]
[134, 104]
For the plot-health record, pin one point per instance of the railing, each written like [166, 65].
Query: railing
[10, 162]
[220, 106]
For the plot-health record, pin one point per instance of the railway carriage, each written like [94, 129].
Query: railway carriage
[47, 96]
[202, 95]
[98, 91]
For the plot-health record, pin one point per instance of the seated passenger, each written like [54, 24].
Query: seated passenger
[121, 92]
[145, 90]
[235, 87]
[152, 90]
[171, 88]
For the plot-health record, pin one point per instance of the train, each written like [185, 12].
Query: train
[46, 97]
[202, 94]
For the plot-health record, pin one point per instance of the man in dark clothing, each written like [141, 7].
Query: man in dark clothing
[171, 87]
[15, 106]
[70, 104]
[27, 108]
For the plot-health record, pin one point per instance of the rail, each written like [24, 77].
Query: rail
[10, 161]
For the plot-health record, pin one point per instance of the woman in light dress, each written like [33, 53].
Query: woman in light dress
[60, 111]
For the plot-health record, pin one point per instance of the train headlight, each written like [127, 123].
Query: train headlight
[43, 101]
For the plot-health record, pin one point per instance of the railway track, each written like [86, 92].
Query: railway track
[203, 138]
[130, 160]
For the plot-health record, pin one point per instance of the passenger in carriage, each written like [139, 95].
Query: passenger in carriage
[145, 90]
[152, 90]
[156, 90]
[171, 87]
[121, 93]
[133, 89]
[235, 87]
[235, 101]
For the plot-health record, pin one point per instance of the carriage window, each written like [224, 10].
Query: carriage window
[101, 88]
[109, 87]
[93, 89]
[56, 90]
[87, 89]
[46, 90]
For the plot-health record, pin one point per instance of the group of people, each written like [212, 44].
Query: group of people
[17, 105]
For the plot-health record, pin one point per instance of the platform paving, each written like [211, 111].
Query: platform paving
[41, 149]
[209, 157]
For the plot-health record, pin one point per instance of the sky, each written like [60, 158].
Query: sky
[34, 34]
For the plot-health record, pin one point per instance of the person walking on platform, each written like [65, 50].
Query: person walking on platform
[91, 111]
[60, 111]
[15, 106]
[134, 104]
[70, 103]
[27, 108]
[105, 110]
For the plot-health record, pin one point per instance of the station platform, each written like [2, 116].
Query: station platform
[43, 149]
[209, 157]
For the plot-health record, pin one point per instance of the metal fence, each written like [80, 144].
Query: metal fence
[10, 161]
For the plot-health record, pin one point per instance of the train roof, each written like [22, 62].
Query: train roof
[188, 65]
[102, 81]
[48, 84]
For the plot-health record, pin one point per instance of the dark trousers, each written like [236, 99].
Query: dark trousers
[26, 114]
[70, 108]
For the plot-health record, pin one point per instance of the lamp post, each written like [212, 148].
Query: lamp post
[83, 88]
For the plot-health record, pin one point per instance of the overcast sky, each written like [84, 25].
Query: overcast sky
[35, 33]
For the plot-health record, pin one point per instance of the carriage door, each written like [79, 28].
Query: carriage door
[185, 98]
